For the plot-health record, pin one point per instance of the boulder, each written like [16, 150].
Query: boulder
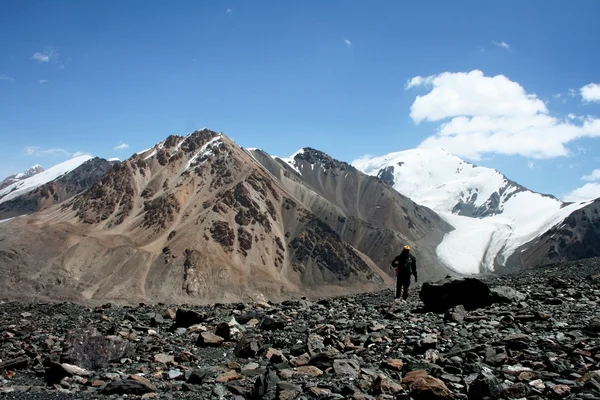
[450, 292]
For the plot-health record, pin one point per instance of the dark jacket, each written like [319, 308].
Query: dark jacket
[407, 264]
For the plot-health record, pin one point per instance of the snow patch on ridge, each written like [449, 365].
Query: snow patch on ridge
[291, 161]
[204, 150]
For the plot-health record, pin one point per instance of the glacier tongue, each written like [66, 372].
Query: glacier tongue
[503, 215]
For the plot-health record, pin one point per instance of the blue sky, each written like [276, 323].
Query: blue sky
[90, 76]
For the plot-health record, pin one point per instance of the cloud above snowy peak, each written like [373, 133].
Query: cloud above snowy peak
[121, 146]
[47, 55]
[55, 151]
[589, 191]
[590, 92]
[37, 151]
[481, 114]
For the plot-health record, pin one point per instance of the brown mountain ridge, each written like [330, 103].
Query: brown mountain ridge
[197, 218]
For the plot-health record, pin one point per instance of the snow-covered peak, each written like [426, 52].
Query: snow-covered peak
[113, 159]
[36, 169]
[445, 182]
[26, 185]
[491, 214]
[291, 161]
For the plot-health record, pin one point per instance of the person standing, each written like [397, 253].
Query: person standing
[405, 265]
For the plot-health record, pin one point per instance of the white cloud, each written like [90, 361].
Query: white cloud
[37, 151]
[5, 78]
[530, 165]
[590, 92]
[348, 43]
[502, 44]
[472, 94]
[594, 176]
[589, 191]
[121, 146]
[42, 81]
[485, 115]
[80, 153]
[45, 56]
[572, 92]
[229, 11]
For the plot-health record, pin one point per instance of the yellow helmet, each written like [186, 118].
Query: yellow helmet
[407, 247]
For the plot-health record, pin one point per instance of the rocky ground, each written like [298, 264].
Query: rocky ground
[538, 339]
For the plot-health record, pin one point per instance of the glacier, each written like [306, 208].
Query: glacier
[508, 215]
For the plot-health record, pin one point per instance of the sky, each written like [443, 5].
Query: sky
[513, 86]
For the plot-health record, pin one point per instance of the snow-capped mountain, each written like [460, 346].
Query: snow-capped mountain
[58, 190]
[23, 186]
[36, 169]
[492, 215]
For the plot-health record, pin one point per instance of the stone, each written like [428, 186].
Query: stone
[223, 330]
[208, 339]
[87, 348]
[265, 386]
[506, 294]
[271, 324]
[133, 385]
[346, 367]
[383, 384]
[485, 385]
[413, 376]
[393, 364]
[430, 388]
[15, 363]
[442, 295]
[75, 370]
[164, 358]
[228, 376]
[561, 390]
[186, 318]
[455, 314]
[246, 347]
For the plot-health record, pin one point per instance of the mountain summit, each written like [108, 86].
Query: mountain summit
[12, 179]
[492, 216]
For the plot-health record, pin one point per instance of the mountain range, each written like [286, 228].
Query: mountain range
[199, 218]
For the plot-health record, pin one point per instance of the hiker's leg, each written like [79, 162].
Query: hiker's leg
[406, 285]
[398, 287]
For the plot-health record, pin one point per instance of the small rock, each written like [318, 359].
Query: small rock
[133, 385]
[164, 358]
[207, 339]
[429, 388]
[393, 363]
[228, 376]
[246, 347]
[346, 367]
[561, 390]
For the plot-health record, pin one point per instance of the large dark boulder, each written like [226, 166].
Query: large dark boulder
[451, 292]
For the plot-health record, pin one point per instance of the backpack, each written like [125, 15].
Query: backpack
[404, 266]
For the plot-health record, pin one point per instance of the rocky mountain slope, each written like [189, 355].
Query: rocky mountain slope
[198, 218]
[12, 179]
[577, 236]
[540, 340]
[365, 212]
[493, 217]
[56, 191]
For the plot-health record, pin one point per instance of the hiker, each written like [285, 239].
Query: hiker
[405, 264]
